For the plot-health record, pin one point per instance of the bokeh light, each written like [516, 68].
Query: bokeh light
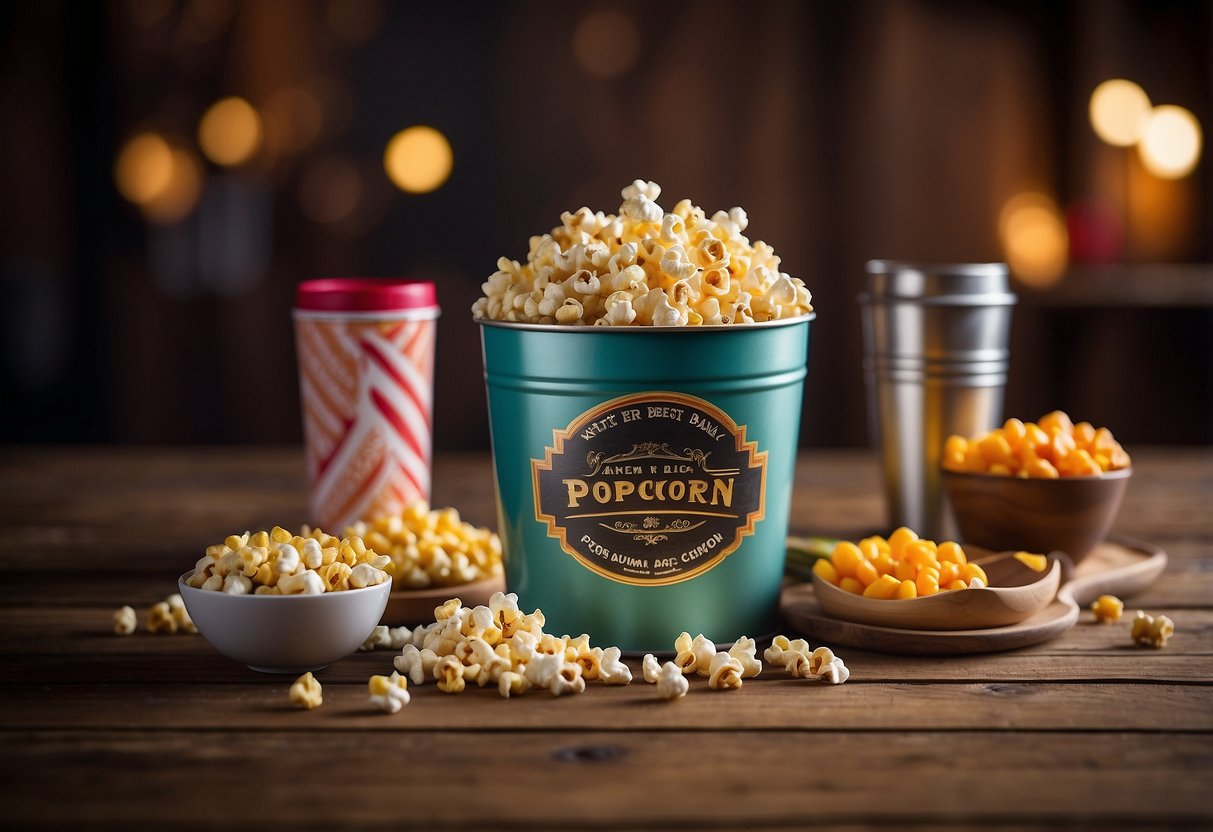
[180, 197]
[418, 159]
[606, 44]
[144, 168]
[230, 132]
[1034, 238]
[1171, 142]
[1118, 111]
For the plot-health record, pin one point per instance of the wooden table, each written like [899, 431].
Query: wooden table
[101, 730]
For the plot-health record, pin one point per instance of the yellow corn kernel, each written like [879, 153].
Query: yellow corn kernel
[825, 570]
[927, 581]
[1107, 609]
[1014, 431]
[1057, 422]
[870, 547]
[884, 588]
[899, 538]
[1041, 469]
[280, 535]
[1037, 563]
[948, 572]
[951, 551]
[851, 585]
[921, 553]
[969, 571]
[957, 584]
[884, 563]
[999, 470]
[904, 570]
[954, 452]
[1035, 437]
[1084, 434]
[846, 557]
[866, 572]
[907, 590]
[994, 448]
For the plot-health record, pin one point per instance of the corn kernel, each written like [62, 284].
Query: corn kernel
[825, 570]
[899, 538]
[1107, 609]
[951, 551]
[971, 571]
[851, 585]
[1037, 563]
[866, 572]
[885, 587]
[906, 590]
[846, 557]
[957, 584]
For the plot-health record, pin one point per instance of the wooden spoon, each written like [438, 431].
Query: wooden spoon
[1016, 592]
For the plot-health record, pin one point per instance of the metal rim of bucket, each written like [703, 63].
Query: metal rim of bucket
[644, 329]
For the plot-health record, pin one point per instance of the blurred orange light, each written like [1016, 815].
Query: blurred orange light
[1118, 111]
[1034, 238]
[606, 43]
[1170, 145]
[230, 132]
[178, 200]
[418, 159]
[144, 168]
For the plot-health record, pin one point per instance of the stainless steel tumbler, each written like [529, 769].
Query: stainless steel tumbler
[935, 363]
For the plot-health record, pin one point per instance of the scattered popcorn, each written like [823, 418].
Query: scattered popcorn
[644, 267]
[125, 621]
[389, 693]
[1152, 631]
[306, 692]
[650, 667]
[431, 548]
[724, 672]
[745, 651]
[280, 563]
[501, 645]
[160, 619]
[671, 681]
[800, 661]
[1107, 609]
[705, 652]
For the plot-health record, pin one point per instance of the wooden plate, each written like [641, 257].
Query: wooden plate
[416, 606]
[1016, 593]
[1119, 565]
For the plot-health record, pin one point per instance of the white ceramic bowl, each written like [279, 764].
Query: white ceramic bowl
[285, 633]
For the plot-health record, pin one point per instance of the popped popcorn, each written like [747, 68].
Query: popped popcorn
[499, 644]
[671, 683]
[389, 693]
[428, 547]
[797, 658]
[125, 621]
[651, 668]
[644, 267]
[1151, 631]
[724, 672]
[280, 563]
[306, 692]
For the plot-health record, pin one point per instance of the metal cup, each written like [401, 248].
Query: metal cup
[935, 363]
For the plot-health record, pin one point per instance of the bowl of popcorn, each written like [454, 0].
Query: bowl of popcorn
[434, 555]
[287, 603]
[645, 373]
[1043, 486]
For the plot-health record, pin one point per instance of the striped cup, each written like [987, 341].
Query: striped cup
[366, 378]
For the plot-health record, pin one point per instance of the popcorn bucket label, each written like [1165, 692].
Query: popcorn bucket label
[650, 489]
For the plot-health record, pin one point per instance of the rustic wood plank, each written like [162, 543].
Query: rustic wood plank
[606, 780]
[774, 703]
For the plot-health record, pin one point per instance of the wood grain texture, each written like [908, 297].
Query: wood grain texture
[98, 730]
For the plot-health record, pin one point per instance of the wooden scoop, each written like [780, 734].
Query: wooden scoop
[1015, 593]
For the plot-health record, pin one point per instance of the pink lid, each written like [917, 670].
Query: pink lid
[365, 294]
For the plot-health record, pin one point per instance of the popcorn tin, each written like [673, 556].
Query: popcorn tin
[644, 474]
[366, 369]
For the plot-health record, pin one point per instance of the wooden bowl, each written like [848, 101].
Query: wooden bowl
[1016, 592]
[416, 606]
[1071, 514]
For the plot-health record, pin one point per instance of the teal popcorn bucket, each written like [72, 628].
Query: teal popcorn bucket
[644, 474]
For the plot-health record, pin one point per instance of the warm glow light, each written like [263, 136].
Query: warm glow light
[1170, 144]
[418, 159]
[1034, 238]
[606, 43]
[179, 198]
[1118, 111]
[144, 167]
[230, 132]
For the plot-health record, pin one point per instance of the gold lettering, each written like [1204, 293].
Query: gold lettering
[722, 491]
[646, 490]
[602, 492]
[698, 488]
[622, 489]
[577, 490]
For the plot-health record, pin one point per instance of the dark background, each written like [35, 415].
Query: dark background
[848, 131]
